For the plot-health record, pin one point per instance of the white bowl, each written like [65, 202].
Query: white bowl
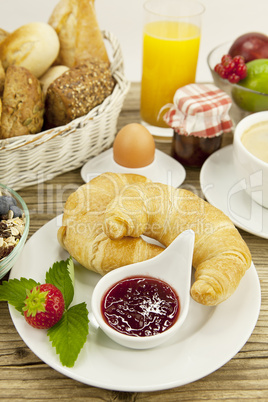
[9, 261]
[174, 266]
[250, 168]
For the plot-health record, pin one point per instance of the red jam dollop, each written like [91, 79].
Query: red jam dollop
[140, 306]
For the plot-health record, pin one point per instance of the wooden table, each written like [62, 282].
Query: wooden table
[23, 376]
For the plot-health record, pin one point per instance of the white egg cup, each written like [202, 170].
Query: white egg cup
[163, 169]
[174, 266]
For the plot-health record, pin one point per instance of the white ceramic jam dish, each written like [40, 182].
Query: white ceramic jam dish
[250, 168]
[174, 267]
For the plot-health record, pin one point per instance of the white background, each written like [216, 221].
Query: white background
[223, 20]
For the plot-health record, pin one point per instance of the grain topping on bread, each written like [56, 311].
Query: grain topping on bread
[23, 103]
[77, 91]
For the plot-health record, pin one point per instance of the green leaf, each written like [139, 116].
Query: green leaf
[61, 275]
[70, 266]
[14, 291]
[69, 335]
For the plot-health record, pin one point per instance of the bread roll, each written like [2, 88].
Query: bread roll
[77, 91]
[80, 37]
[2, 79]
[0, 116]
[34, 46]
[50, 75]
[3, 34]
[23, 103]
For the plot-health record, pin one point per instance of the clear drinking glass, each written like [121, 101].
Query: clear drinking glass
[171, 39]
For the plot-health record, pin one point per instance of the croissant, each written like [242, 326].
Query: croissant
[82, 235]
[221, 257]
[103, 221]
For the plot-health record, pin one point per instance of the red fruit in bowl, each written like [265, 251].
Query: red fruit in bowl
[251, 46]
[233, 70]
[44, 306]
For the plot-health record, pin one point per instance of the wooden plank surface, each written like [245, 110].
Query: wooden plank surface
[23, 376]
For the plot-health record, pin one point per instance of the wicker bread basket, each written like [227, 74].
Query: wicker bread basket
[35, 158]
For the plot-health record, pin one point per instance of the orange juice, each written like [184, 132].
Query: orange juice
[170, 54]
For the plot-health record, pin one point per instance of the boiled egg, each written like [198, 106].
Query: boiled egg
[134, 146]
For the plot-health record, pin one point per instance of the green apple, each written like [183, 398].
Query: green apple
[256, 80]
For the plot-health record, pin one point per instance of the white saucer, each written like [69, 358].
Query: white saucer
[226, 191]
[164, 169]
[160, 134]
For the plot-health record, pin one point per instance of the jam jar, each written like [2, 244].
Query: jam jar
[192, 151]
[199, 116]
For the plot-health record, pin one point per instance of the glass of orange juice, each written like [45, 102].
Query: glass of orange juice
[171, 38]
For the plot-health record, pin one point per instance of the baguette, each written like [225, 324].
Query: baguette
[79, 34]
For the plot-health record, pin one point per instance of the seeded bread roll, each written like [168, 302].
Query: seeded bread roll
[50, 75]
[23, 103]
[77, 91]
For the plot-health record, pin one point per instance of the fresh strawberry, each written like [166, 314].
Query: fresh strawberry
[44, 306]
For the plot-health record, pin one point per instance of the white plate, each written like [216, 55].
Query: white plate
[209, 338]
[164, 169]
[226, 191]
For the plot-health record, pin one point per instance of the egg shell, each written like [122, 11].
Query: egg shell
[134, 146]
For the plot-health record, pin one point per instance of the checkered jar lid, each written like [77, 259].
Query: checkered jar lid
[201, 110]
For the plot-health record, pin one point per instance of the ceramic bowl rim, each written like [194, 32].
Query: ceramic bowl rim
[134, 270]
[245, 124]
[224, 81]
[7, 260]
[123, 338]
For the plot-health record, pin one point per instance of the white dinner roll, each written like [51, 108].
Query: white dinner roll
[50, 75]
[34, 46]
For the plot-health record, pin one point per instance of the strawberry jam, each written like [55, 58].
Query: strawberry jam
[140, 306]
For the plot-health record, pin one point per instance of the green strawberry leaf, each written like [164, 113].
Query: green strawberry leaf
[14, 291]
[69, 335]
[61, 275]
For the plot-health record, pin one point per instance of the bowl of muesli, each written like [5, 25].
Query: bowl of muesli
[14, 227]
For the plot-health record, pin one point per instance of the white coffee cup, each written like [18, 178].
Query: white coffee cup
[248, 166]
